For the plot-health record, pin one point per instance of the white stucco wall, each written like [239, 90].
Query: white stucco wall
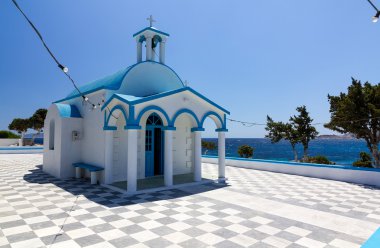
[359, 176]
[70, 149]
[120, 140]
[183, 145]
[52, 158]
[8, 142]
[58, 161]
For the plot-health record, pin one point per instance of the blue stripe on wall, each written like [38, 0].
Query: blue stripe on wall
[373, 241]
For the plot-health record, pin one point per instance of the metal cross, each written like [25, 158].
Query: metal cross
[151, 20]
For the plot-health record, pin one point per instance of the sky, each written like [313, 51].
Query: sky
[253, 57]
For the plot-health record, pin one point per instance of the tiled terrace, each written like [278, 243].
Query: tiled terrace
[257, 209]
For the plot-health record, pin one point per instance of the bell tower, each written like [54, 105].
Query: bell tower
[154, 40]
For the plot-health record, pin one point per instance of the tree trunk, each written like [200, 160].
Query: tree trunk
[295, 153]
[305, 155]
[22, 138]
[376, 156]
[34, 137]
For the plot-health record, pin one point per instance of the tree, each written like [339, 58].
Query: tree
[364, 161]
[8, 135]
[320, 160]
[19, 125]
[279, 130]
[245, 151]
[306, 132]
[357, 112]
[36, 122]
[208, 145]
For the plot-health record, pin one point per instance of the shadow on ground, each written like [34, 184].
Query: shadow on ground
[111, 198]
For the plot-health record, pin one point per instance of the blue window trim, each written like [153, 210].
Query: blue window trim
[154, 108]
[182, 111]
[151, 29]
[214, 114]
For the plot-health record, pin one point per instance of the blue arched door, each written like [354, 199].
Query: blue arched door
[154, 144]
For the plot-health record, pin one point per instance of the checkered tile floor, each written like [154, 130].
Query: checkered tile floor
[37, 210]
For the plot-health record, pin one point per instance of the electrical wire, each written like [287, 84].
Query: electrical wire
[86, 99]
[62, 67]
[251, 124]
[370, 2]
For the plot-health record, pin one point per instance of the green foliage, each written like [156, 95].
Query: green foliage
[279, 130]
[364, 161]
[320, 160]
[245, 151]
[36, 122]
[8, 135]
[357, 112]
[208, 145]
[19, 125]
[306, 132]
[298, 130]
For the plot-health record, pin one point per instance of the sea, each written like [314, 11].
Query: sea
[340, 151]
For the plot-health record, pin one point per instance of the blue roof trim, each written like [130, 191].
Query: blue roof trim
[111, 82]
[343, 167]
[68, 111]
[160, 95]
[208, 100]
[151, 29]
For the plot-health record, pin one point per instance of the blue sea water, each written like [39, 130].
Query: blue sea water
[340, 151]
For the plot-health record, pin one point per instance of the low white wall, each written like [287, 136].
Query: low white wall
[8, 142]
[18, 150]
[349, 174]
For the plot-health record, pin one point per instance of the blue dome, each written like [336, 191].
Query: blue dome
[141, 79]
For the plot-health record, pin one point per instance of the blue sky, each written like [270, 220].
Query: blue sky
[254, 57]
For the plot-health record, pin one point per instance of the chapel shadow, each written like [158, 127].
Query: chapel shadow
[111, 198]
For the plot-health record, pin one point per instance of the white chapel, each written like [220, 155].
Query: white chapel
[139, 122]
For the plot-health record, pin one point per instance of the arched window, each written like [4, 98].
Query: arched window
[51, 135]
[154, 120]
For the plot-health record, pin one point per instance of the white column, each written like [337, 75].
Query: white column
[168, 165]
[94, 177]
[197, 156]
[108, 155]
[148, 48]
[78, 172]
[139, 50]
[132, 161]
[221, 157]
[162, 51]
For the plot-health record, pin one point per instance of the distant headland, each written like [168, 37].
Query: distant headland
[333, 136]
